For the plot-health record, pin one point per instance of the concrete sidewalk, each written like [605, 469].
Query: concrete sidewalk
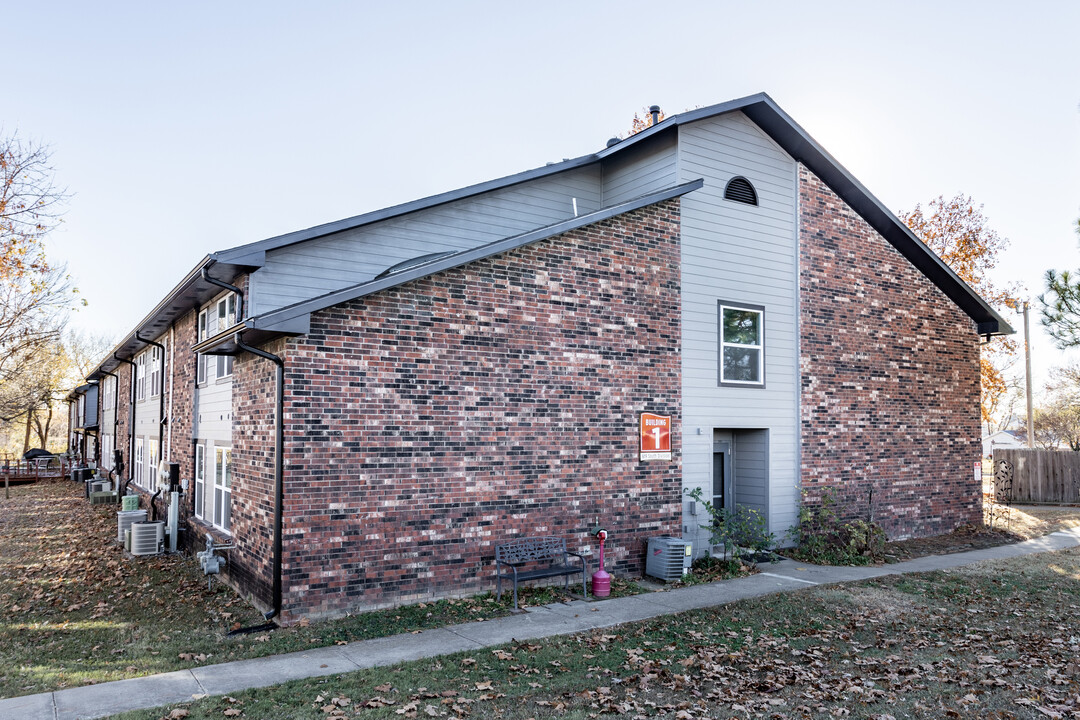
[94, 701]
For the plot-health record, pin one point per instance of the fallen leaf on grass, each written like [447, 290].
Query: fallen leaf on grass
[192, 656]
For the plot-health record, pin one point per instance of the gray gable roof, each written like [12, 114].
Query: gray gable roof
[777, 124]
[760, 108]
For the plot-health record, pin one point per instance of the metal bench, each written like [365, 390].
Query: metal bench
[533, 558]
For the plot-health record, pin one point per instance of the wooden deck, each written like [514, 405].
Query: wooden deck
[24, 472]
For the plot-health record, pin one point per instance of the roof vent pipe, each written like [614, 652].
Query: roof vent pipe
[654, 110]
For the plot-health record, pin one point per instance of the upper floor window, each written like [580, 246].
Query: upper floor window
[155, 371]
[226, 318]
[108, 393]
[740, 190]
[140, 377]
[226, 312]
[742, 345]
[203, 334]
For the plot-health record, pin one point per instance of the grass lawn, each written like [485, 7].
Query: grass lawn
[75, 611]
[994, 640]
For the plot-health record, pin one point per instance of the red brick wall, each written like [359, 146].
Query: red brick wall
[251, 564]
[180, 406]
[123, 429]
[890, 377]
[429, 422]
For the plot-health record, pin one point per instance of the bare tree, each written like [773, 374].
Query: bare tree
[35, 297]
[30, 206]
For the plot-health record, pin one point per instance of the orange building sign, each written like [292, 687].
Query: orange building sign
[655, 437]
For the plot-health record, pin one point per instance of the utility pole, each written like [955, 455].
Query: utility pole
[1027, 373]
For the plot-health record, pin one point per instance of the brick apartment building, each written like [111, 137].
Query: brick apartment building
[365, 408]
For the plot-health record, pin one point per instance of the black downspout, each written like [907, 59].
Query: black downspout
[279, 445]
[131, 419]
[227, 286]
[116, 409]
[161, 398]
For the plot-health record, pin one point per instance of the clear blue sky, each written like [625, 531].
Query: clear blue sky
[185, 128]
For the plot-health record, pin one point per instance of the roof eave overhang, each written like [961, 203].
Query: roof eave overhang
[190, 293]
[797, 143]
[787, 133]
[224, 342]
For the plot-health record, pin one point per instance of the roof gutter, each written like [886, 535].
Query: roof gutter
[279, 444]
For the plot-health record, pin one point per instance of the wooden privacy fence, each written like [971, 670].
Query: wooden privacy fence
[1050, 476]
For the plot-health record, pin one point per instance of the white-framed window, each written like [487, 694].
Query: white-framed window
[226, 318]
[155, 371]
[108, 393]
[138, 469]
[200, 480]
[742, 345]
[203, 334]
[107, 445]
[223, 488]
[152, 466]
[140, 377]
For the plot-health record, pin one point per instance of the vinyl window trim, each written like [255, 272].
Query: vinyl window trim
[199, 488]
[221, 517]
[721, 344]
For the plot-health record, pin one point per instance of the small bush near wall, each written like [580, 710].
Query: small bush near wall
[738, 532]
[821, 537]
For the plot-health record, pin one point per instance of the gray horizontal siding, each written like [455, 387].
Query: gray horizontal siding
[315, 267]
[642, 169]
[213, 399]
[740, 253]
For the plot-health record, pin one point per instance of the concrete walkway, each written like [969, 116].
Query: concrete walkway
[94, 701]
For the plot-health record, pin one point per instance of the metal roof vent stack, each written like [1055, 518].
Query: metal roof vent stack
[654, 110]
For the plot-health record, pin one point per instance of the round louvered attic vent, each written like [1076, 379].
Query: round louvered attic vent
[739, 189]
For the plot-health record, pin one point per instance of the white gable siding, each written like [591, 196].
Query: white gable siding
[739, 254]
[309, 269]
